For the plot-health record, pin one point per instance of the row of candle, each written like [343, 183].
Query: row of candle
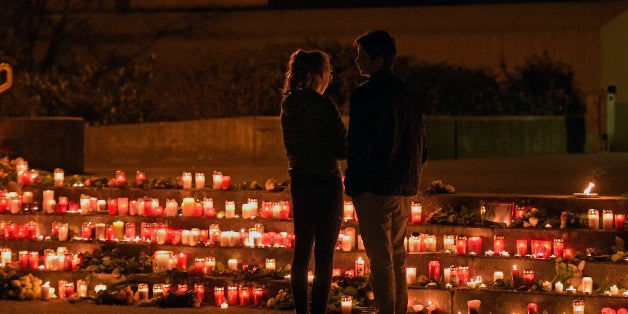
[61, 259]
[609, 220]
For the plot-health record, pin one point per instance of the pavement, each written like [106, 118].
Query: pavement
[549, 175]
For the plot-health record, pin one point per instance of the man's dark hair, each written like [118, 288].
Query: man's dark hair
[379, 44]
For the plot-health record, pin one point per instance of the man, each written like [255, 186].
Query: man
[386, 154]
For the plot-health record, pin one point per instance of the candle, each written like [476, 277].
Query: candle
[567, 253]
[63, 231]
[210, 264]
[200, 180]
[528, 277]
[587, 285]
[474, 306]
[158, 290]
[447, 274]
[140, 178]
[270, 264]
[130, 230]
[217, 180]
[118, 229]
[558, 287]
[461, 245]
[594, 219]
[226, 182]
[182, 261]
[434, 271]
[498, 243]
[86, 231]
[219, 295]
[559, 247]
[23, 259]
[463, 275]
[200, 291]
[142, 291]
[258, 296]
[607, 219]
[430, 243]
[359, 267]
[120, 178]
[515, 276]
[81, 288]
[533, 308]
[33, 259]
[475, 245]
[498, 275]
[27, 197]
[48, 195]
[45, 291]
[187, 207]
[619, 221]
[346, 303]
[208, 207]
[172, 207]
[578, 307]
[416, 211]
[232, 295]
[348, 211]
[100, 287]
[449, 243]
[69, 289]
[186, 179]
[410, 275]
[229, 209]
[232, 264]
[244, 296]
[162, 261]
[522, 247]
[123, 205]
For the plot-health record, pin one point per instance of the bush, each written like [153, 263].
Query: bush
[249, 82]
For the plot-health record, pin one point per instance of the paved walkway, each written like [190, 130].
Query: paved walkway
[556, 174]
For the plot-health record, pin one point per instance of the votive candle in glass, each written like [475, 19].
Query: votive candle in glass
[461, 245]
[140, 178]
[522, 247]
[200, 180]
[607, 219]
[449, 242]
[410, 275]
[258, 296]
[123, 206]
[232, 295]
[348, 211]
[587, 285]
[226, 182]
[474, 245]
[244, 296]
[59, 176]
[533, 308]
[120, 178]
[528, 277]
[594, 219]
[219, 295]
[346, 304]
[619, 221]
[498, 243]
[186, 180]
[433, 271]
[578, 307]
[559, 247]
[416, 212]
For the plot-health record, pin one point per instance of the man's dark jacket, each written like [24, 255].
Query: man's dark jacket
[387, 147]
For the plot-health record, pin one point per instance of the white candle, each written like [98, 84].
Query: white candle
[63, 232]
[217, 179]
[14, 205]
[229, 209]
[447, 274]
[346, 304]
[47, 196]
[449, 242]
[59, 175]
[172, 208]
[587, 285]
[410, 275]
[27, 197]
[607, 220]
[430, 243]
[414, 244]
[558, 287]
[45, 291]
[200, 180]
[594, 219]
[186, 180]
[232, 264]
[185, 237]
[359, 267]
[246, 210]
[270, 264]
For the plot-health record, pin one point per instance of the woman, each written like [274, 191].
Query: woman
[315, 140]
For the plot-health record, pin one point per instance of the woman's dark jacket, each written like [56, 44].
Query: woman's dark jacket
[314, 135]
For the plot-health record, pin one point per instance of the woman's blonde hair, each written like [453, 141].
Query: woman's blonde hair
[302, 65]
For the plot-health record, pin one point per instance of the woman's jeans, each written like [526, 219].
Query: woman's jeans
[317, 205]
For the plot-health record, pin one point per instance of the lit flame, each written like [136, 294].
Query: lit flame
[588, 189]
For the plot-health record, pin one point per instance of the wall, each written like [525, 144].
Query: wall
[258, 141]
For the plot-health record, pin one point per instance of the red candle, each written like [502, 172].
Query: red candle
[461, 245]
[120, 178]
[197, 210]
[109, 234]
[4, 204]
[62, 205]
[434, 271]
[232, 295]
[535, 246]
[522, 247]
[619, 221]
[86, 231]
[244, 294]
[23, 259]
[76, 262]
[559, 246]
[200, 290]
[267, 210]
[475, 245]
[568, 253]
[140, 178]
[31, 230]
[219, 295]
[20, 234]
[33, 259]
[182, 260]
[463, 275]
[12, 230]
[148, 206]
[182, 288]
[520, 212]
[157, 211]
[533, 308]
[545, 249]
[226, 182]
[516, 279]
[176, 236]
[416, 210]
[498, 243]
[69, 289]
[528, 277]
[67, 261]
[258, 296]
[129, 230]
[284, 212]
